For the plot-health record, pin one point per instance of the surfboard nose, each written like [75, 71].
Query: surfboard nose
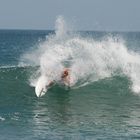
[40, 91]
[40, 88]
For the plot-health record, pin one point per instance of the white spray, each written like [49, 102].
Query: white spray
[87, 59]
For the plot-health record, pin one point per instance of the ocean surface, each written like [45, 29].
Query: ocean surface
[103, 101]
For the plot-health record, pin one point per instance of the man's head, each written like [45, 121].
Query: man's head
[65, 73]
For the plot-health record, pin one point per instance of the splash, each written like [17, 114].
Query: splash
[88, 60]
[60, 27]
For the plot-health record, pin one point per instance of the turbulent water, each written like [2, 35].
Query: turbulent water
[103, 100]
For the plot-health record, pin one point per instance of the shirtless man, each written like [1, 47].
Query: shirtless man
[65, 77]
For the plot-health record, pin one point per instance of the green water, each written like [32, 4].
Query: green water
[102, 110]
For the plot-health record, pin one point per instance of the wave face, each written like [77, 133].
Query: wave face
[101, 110]
[88, 59]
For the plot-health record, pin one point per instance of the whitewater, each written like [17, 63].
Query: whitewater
[88, 59]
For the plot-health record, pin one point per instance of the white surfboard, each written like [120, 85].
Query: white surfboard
[41, 86]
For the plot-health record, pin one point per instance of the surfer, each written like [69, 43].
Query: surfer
[42, 88]
[65, 78]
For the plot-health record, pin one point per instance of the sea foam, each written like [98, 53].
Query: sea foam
[89, 60]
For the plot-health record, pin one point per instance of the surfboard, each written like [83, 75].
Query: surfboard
[40, 91]
[41, 86]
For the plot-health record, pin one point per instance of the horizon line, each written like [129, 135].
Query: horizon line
[88, 30]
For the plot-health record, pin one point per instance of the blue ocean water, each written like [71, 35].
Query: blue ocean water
[107, 107]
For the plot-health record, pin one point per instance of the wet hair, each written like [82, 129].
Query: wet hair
[65, 73]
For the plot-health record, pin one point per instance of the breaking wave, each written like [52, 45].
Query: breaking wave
[89, 60]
